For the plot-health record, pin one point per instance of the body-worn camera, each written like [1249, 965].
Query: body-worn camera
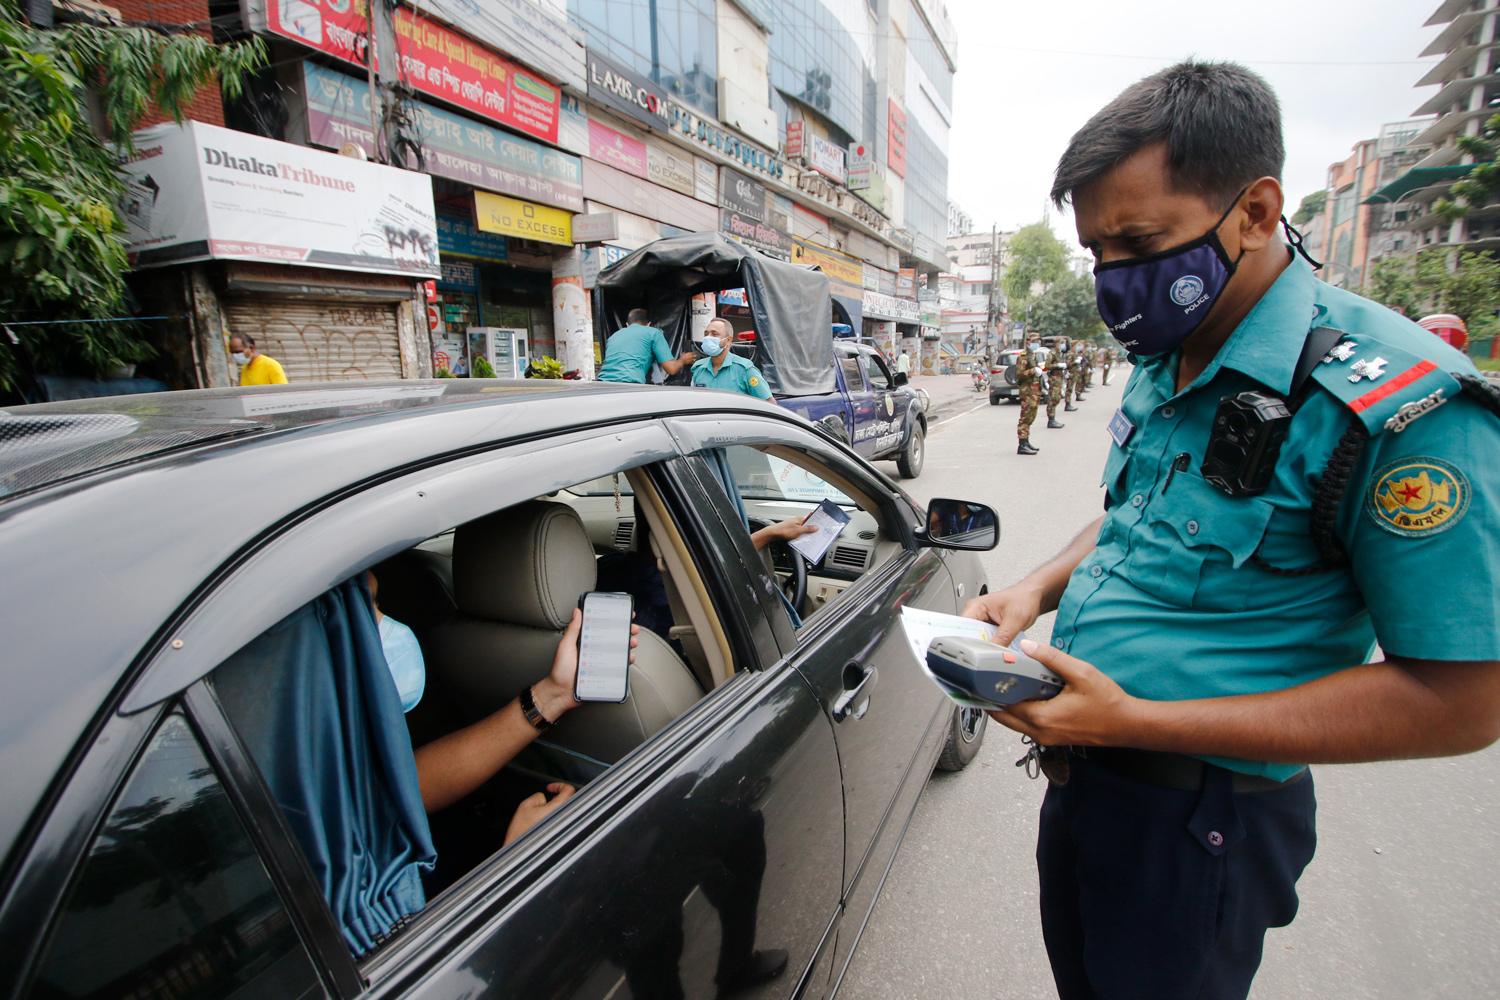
[1245, 442]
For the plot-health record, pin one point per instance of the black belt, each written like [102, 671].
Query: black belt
[1172, 770]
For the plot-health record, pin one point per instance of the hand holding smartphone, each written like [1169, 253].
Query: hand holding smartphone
[604, 647]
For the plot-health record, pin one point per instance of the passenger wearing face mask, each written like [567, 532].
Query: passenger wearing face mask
[255, 367]
[721, 368]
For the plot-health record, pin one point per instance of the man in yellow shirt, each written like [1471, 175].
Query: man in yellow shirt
[255, 367]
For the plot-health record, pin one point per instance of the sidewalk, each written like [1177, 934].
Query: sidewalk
[950, 394]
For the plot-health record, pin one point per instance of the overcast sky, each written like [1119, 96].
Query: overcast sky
[1029, 74]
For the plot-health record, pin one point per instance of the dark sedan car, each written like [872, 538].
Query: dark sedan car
[210, 787]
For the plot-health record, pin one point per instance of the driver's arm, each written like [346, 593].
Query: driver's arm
[783, 531]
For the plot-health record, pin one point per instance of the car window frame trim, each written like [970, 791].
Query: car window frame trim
[273, 840]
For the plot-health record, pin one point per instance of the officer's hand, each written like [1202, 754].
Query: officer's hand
[687, 357]
[1091, 710]
[1013, 609]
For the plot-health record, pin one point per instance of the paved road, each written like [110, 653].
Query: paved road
[1402, 900]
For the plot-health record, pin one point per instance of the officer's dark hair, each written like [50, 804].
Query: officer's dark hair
[638, 316]
[1221, 124]
[243, 338]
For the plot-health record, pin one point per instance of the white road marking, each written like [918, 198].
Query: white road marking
[949, 420]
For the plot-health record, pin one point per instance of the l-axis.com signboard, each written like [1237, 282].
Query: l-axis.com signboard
[435, 60]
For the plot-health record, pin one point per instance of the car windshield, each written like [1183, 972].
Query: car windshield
[759, 476]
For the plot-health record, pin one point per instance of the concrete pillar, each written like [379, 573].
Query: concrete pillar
[572, 315]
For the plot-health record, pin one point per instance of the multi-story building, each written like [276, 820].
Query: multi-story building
[852, 102]
[1468, 82]
[1356, 227]
[559, 135]
[970, 292]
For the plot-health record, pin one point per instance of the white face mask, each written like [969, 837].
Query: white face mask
[240, 358]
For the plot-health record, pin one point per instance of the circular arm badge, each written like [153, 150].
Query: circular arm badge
[1418, 496]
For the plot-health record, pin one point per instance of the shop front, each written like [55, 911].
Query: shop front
[497, 282]
[321, 258]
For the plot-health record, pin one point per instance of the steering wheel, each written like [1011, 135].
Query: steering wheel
[781, 556]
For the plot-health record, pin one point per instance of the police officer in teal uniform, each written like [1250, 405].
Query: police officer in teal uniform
[631, 350]
[1216, 626]
[721, 368]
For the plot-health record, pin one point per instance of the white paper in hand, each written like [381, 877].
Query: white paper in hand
[924, 626]
[829, 518]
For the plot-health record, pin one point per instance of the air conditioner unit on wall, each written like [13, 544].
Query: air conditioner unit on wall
[744, 113]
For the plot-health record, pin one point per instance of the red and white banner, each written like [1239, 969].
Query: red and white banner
[435, 60]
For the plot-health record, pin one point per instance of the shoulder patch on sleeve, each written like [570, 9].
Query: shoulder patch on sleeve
[1385, 387]
[1418, 496]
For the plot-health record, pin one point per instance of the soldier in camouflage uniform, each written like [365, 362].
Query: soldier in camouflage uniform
[1029, 387]
[1086, 355]
[1057, 376]
[1080, 371]
[1106, 362]
[1070, 378]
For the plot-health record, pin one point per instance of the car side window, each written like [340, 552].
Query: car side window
[172, 899]
[880, 379]
[853, 377]
[776, 485]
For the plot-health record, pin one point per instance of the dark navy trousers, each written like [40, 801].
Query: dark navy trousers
[1153, 893]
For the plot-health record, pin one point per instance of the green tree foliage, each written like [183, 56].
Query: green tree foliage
[69, 98]
[1067, 308]
[1434, 280]
[1037, 256]
[1480, 186]
[1310, 206]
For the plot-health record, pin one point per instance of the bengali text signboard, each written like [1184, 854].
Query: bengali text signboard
[455, 147]
[435, 60]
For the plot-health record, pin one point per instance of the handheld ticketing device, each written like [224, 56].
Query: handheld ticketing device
[1001, 675]
[604, 647]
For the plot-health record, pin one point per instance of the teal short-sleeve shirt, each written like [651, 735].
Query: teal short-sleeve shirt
[735, 375]
[1174, 602]
[630, 352]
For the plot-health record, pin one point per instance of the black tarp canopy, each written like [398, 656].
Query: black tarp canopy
[789, 304]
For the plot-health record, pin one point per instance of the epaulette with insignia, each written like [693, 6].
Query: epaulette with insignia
[1385, 387]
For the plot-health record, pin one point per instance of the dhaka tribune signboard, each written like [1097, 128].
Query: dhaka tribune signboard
[200, 192]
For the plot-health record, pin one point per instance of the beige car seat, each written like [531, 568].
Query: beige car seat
[517, 576]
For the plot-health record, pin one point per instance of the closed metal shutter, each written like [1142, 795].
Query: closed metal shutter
[318, 341]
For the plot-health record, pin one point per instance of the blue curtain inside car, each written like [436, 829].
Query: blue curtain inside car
[314, 701]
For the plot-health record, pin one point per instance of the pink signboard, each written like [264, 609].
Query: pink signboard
[617, 149]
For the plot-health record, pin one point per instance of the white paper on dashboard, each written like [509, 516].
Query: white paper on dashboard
[924, 626]
[829, 519]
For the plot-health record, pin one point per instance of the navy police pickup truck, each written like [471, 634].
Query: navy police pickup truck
[842, 386]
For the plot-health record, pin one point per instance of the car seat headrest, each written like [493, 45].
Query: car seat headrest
[525, 565]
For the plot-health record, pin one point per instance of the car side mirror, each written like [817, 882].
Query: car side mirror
[900, 379]
[960, 524]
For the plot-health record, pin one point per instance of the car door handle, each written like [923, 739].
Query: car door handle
[855, 701]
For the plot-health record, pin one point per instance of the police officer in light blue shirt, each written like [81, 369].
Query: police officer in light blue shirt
[630, 352]
[1295, 475]
[721, 368]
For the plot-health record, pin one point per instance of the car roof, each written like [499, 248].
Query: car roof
[119, 538]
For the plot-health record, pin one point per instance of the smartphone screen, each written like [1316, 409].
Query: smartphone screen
[604, 647]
